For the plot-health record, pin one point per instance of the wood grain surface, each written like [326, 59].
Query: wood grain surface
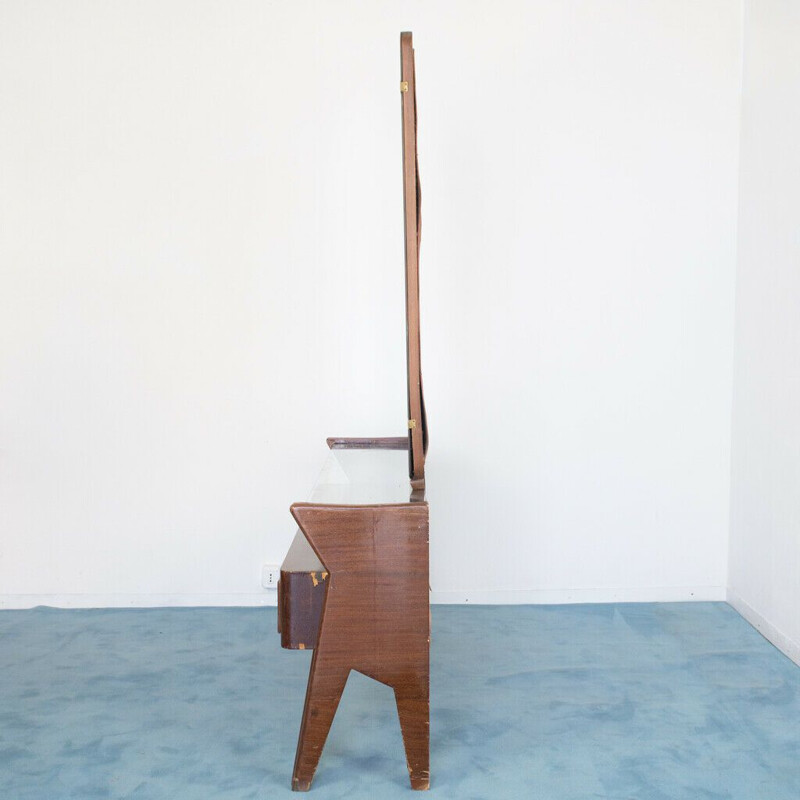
[375, 620]
[412, 199]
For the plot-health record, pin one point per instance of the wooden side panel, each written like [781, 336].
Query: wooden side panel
[417, 422]
[375, 620]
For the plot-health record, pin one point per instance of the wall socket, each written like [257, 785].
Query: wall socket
[270, 574]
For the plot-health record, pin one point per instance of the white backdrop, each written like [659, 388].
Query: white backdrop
[765, 522]
[201, 279]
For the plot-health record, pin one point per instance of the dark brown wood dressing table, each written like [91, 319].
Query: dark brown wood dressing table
[354, 585]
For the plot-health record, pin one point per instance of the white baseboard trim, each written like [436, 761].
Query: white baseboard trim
[22, 601]
[784, 643]
[657, 594]
[624, 594]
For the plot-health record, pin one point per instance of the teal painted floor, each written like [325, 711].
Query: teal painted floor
[652, 702]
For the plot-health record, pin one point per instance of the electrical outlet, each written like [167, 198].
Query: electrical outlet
[270, 573]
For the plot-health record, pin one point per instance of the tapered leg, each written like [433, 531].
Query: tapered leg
[325, 686]
[414, 714]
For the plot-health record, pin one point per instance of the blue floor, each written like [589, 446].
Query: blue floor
[620, 702]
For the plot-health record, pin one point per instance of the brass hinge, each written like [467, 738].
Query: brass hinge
[403, 86]
[412, 423]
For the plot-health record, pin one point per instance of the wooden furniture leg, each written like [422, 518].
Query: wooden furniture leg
[326, 683]
[375, 619]
[414, 715]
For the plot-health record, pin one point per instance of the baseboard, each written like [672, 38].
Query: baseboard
[22, 601]
[658, 594]
[784, 643]
[624, 594]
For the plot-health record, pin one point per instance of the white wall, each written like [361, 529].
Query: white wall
[201, 278]
[765, 519]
